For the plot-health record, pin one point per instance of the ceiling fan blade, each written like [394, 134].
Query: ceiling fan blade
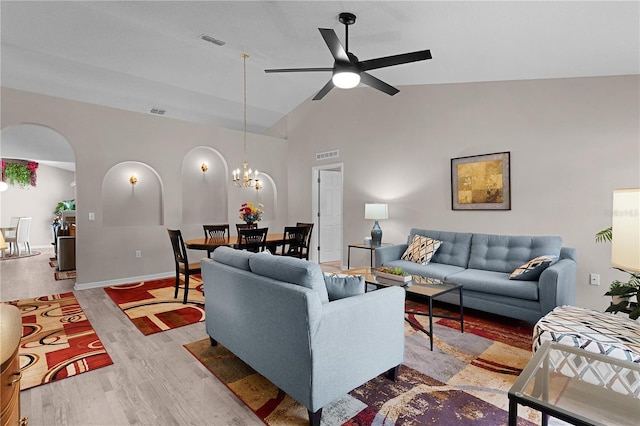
[327, 87]
[334, 45]
[389, 61]
[371, 81]
[298, 70]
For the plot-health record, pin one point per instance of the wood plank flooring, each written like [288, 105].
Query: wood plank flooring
[153, 379]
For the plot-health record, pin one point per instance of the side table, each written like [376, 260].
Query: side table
[578, 387]
[371, 248]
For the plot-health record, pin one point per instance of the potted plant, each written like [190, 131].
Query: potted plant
[625, 291]
[395, 274]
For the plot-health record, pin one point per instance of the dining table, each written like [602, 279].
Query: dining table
[210, 244]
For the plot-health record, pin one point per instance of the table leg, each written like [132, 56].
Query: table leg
[513, 412]
[431, 321]
[461, 312]
[349, 257]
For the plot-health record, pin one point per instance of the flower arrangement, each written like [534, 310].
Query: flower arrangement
[250, 213]
[20, 173]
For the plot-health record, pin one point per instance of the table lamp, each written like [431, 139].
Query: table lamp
[376, 211]
[625, 242]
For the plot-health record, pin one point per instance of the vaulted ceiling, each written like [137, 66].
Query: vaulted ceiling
[139, 55]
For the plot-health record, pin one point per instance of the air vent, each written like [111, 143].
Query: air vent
[212, 40]
[328, 154]
[157, 111]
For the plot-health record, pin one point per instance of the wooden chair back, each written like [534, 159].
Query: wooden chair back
[295, 242]
[252, 239]
[216, 231]
[240, 226]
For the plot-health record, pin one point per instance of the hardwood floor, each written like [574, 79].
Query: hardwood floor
[153, 379]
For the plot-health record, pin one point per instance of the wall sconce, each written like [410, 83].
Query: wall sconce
[133, 179]
[204, 167]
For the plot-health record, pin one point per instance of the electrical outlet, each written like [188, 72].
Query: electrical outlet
[138, 253]
[92, 216]
[594, 279]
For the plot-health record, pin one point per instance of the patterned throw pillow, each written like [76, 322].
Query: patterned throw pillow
[340, 286]
[421, 249]
[531, 270]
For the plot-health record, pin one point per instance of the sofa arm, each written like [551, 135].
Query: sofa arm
[557, 285]
[357, 339]
[388, 253]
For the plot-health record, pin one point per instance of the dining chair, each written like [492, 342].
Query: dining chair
[240, 226]
[294, 241]
[308, 242]
[252, 239]
[217, 232]
[20, 235]
[182, 262]
[10, 235]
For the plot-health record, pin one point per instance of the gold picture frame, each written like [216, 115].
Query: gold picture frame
[481, 182]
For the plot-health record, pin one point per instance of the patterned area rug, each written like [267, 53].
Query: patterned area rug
[464, 381]
[151, 307]
[58, 340]
[8, 256]
[65, 275]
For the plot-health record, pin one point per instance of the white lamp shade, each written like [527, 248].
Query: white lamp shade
[346, 79]
[625, 242]
[376, 211]
[3, 186]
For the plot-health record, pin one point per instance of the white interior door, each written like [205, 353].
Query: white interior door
[327, 210]
[330, 207]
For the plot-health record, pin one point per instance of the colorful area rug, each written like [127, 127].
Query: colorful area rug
[464, 381]
[65, 275]
[9, 256]
[58, 340]
[151, 307]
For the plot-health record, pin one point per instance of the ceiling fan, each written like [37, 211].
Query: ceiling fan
[347, 70]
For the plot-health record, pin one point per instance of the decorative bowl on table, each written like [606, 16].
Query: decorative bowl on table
[392, 274]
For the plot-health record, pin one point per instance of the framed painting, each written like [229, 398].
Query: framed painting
[481, 182]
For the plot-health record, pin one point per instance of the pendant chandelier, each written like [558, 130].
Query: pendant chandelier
[246, 178]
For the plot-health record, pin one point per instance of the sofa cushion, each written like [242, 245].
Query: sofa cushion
[504, 253]
[454, 249]
[236, 258]
[291, 270]
[340, 286]
[492, 282]
[531, 270]
[421, 249]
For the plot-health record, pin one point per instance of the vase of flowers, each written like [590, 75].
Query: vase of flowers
[250, 214]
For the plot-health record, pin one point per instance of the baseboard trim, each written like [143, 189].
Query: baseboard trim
[109, 283]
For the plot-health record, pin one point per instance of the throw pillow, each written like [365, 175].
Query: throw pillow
[421, 249]
[340, 286]
[531, 270]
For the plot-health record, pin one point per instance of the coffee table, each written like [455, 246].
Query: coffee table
[577, 386]
[429, 288]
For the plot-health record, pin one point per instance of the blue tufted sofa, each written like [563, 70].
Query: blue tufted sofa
[274, 313]
[482, 264]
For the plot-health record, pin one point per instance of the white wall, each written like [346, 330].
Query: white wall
[103, 137]
[572, 141]
[39, 202]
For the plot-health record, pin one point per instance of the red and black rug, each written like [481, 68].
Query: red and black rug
[151, 307]
[57, 341]
[464, 381]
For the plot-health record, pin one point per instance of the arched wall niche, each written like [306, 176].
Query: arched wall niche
[204, 193]
[127, 204]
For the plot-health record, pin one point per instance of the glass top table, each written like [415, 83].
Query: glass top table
[577, 386]
[428, 288]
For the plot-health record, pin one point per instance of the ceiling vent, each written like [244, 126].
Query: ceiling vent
[157, 111]
[211, 40]
[328, 154]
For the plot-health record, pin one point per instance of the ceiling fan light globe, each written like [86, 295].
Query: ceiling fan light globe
[346, 79]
